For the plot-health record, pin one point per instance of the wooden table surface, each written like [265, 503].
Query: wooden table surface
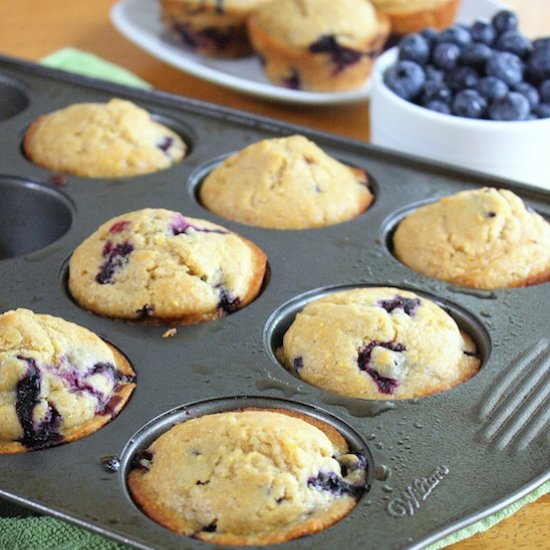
[31, 29]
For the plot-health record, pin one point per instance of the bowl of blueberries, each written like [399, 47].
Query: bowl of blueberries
[476, 96]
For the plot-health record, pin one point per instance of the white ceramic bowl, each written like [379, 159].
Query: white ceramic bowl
[518, 151]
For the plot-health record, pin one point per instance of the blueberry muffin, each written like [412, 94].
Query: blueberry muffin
[58, 381]
[378, 343]
[409, 16]
[285, 183]
[158, 265]
[210, 27]
[102, 140]
[318, 45]
[483, 238]
[248, 477]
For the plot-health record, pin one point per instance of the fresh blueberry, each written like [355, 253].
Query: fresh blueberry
[469, 103]
[544, 91]
[542, 110]
[538, 65]
[438, 106]
[445, 55]
[414, 47]
[476, 55]
[462, 77]
[505, 20]
[513, 106]
[506, 66]
[433, 74]
[455, 34]
[436, 91]
[483, 32]
[530, 92]
[514, 42]
[491, 87]
[541, 43]
[430, 34]
[405, 78]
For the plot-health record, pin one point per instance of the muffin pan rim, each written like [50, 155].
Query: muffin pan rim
[419, 529]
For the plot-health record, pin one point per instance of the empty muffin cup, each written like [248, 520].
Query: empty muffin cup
[33, 216]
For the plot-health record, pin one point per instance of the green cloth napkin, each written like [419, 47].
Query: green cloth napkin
[84, 63]
[45, 533]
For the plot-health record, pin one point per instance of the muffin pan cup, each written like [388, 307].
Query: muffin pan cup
[438, 463]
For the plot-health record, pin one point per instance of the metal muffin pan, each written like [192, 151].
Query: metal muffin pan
[438, 463]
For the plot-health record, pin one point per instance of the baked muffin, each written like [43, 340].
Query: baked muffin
[318, 45]
[210, 27]
[157, 265]
[58, 381]
[249, 477]
[378, 343]
[102, 140]
[483, 238]
[409, 16]
[285, 183]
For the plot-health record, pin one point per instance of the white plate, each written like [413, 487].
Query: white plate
[139, 21]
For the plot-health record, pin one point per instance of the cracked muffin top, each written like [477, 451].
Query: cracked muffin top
[249, 477]
[300, 23]
[58, 381]
[318, 45]
[483, 238]
[285, 183]
[158, 265]
[378, 343]
[113, 139]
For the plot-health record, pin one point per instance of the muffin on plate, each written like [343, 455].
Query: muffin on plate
[482, 238]
[158, 265]
[249, 477]
[58, 381]
[409, 16]
[285, 183]
[102, 140]
[378, 343]
[215, 28]
[318, 45]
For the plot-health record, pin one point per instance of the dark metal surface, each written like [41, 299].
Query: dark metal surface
[440, 463]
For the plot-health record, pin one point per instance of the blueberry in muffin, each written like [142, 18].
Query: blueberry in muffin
[378, 343]
[215, 28]
[249, 477]
[58, 381]
[318, 45]
[158, 265]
